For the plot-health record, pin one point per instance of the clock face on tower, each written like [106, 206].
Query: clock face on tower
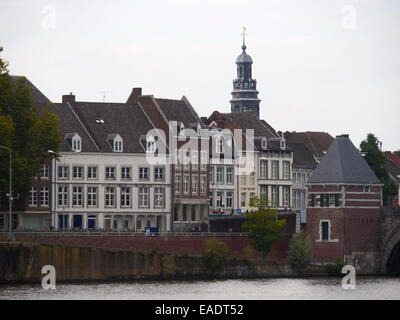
[237, 95]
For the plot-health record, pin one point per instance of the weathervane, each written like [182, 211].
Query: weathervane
[244, 35]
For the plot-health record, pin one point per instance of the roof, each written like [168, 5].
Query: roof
[315, 141]
[127, 120]
[36, 94]
[302, 157]
[180, 111]
[343, 163]
[392, 163]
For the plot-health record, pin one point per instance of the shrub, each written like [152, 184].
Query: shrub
[300, 252]
[216, 254]
[334, 269]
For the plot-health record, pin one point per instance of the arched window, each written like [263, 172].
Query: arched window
[76, 143]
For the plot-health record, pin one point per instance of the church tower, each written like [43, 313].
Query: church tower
[244, 94]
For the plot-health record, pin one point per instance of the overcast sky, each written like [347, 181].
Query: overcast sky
[321, 65]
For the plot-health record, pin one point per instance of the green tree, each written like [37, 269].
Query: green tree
[376, 160]
[216, 254]
[26, 131]
[300, 252]
[263, 226]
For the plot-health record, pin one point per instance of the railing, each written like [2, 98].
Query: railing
[73, 233]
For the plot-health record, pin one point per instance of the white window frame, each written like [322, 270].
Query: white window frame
[33, 197]
[77, 196]
[195, 184]
[44, 196]
[92, 196]
[109, 199]
[144, 193]
[126, 197]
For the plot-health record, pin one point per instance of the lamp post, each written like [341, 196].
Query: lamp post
[63, 203]
[10, 191]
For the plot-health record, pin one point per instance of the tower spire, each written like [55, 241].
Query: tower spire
[244, 35]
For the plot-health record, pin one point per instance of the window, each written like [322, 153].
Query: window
[220, 145]
[159, 173]
[229, 175]
[274, 196]
[220, 175]
[62, 196]
[44, 196]
[264, 143]
[203, 160]
[195, 183]
[286, 170]
[286, 196]
[211, 174]
[77, 172]
[243, 178]
[92, 196]
[77, 197]
[33, 197]
[92, 172]
[144, 197]
[44, 172]
[220, 199]
[252, 178]
[63, 172]
[195, 160]
[252, 196]
[110, 172]
[367, 189]
[110, 197]
[144, 173]
[117, 144]
[186, 184]
[264, 191]
[211, 199]
[324, 230]
[178, 184]
[159, 194]
[203, 184]
[275, 169]
[125, 197]
[263, 169]
[76, 143]
[1, 221]
[126, 173]
[229, 199]
[151, 145]
[243, 199]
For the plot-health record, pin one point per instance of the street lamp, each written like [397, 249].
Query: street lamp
[63, 215]
[10, 191]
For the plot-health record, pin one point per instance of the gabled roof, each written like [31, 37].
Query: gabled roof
[343, 164]
[392, 164]
[180, 111]
[37, 96]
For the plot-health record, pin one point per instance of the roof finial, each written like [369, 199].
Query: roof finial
[244, 34]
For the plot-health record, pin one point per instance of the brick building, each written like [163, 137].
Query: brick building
[344, 200]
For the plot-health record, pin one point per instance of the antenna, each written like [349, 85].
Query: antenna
[104, 94]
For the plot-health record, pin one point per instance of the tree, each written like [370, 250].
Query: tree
[376, 160]
[216, 254]
[26, 131]
[300, 252]
[263, 226]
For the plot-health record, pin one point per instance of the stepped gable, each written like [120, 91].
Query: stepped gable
[343, 164]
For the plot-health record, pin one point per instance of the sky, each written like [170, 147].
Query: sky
[320, 65]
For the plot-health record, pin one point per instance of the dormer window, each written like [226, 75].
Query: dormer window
[283, 144]
[75, 141]
[264, 143]
[150, 144]
[116, 142]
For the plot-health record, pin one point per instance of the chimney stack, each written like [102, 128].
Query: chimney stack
[68, 98]
[134, 97]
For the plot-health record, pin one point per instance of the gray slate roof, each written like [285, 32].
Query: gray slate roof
[343, 163]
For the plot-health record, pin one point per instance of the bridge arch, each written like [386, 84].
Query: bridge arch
[391, 251]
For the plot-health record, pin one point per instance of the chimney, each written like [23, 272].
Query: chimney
[134, 97]
[68, 98]
[342, 136]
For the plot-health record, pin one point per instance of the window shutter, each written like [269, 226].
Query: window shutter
[327, 200]
[313, 200]
[322, 200]
[336, 200]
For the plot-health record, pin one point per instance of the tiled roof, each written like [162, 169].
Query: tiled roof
[37, 95]
[178, 110]
[392, 164]
[343, 163]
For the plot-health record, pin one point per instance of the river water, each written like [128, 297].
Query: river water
[255, 289]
